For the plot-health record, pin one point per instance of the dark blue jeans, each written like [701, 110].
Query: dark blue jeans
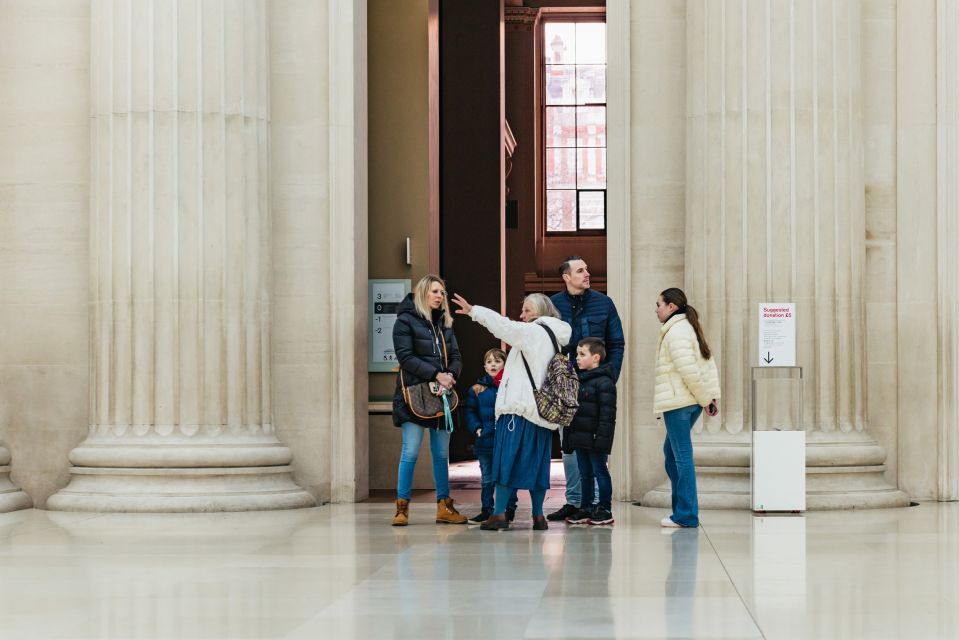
[488, 485]
[593, 469]
[678, 452]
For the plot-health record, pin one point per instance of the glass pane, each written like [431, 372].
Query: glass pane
[560, 42]
[590, 126]
[561, 169]
[591, 43]
[591, 84]
[560, 84]
[561, 126]
[561, 211]
[591, 168]
[592, 210]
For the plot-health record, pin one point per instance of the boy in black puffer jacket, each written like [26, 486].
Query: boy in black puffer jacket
[590, 435]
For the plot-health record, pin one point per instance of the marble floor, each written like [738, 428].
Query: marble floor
[339, 571]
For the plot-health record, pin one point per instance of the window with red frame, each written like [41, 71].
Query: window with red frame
[575, 125]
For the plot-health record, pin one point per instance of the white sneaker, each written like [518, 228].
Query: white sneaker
[668, 522]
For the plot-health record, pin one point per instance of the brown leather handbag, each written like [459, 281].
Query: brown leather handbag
[421, 400]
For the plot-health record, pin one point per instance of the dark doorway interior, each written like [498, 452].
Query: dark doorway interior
[471, 176]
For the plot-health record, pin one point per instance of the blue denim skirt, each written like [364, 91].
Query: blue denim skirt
[521, 454]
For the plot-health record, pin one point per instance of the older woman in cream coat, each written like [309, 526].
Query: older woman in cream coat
[687, 382]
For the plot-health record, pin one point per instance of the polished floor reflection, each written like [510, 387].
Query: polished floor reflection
[340, 572]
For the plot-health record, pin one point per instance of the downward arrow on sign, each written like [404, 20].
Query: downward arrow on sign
[768, 359]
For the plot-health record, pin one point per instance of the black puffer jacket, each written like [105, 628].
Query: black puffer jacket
[419, 350]
[594, 424]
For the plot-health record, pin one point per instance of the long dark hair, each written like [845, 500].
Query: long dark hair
[678, 298]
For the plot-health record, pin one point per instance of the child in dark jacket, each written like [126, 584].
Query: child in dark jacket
[481, 420]
[590, 435]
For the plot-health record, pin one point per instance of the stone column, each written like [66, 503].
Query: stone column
[947, 213]
[775, 212]
[11, 497]
[180, 412]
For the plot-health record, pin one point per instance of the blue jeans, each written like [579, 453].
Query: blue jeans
[488, 485]
[594, 471]
[678, 452]
[574, 493]
[439, 448]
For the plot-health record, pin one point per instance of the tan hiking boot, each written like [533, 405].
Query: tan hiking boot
[402, 517]
[446, 513]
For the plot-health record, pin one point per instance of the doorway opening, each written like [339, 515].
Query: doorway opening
[522, 162]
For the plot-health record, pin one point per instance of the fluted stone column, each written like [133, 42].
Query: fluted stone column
[11, 497]
[180, 416]
[775, 213]
[947, 14]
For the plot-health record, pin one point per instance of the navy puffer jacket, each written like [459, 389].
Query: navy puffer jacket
[594, 424]
[481, 413]
[593, 315]
[419, 350]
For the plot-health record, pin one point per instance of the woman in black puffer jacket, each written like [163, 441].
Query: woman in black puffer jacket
[427, 352]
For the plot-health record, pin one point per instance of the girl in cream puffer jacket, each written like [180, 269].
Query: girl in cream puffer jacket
[686, 383]
[683, 376]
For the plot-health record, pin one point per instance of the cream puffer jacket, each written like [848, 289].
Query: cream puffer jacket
[515, 395]
[683, 376]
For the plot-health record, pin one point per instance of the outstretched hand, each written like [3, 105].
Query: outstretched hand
[464, 306]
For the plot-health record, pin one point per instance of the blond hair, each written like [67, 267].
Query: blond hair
[542, 306]
[422, 305]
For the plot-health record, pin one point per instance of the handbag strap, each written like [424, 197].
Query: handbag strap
[446, 360]
[552, 337]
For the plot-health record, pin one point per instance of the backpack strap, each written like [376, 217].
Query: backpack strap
[528, 372]
[552, 337]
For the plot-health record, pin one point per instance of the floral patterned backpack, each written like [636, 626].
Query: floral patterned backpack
[557, 399]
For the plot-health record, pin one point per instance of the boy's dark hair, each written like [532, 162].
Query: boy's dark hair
[564, 267]
[595, 346]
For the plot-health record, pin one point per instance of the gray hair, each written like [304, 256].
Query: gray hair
[542, 306]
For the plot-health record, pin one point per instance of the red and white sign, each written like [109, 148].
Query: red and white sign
[777, 334]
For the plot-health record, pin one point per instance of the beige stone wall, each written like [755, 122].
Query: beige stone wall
[657, 206]
[302, 378]
[44, 177]
[879, 139]
[917, 326]
[318, 171]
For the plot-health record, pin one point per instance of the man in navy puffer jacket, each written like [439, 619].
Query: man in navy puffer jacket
[591, 314]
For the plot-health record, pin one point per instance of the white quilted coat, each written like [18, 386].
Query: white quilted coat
[683, 376]
[515, 395]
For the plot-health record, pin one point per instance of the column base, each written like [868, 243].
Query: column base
[180, 490]
[12, 498]
[843, 471]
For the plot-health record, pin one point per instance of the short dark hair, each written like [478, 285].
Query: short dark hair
[595, 346]
[564, 267]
